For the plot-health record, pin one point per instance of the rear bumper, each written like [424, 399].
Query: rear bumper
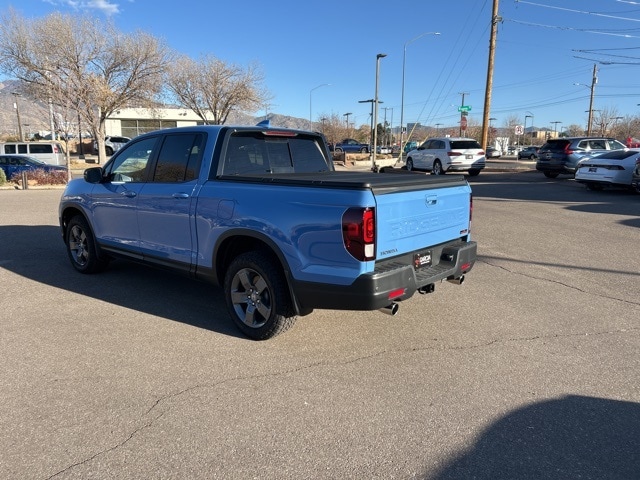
[373, 291]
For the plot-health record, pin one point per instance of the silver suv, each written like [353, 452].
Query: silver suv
[561, 155]
[112, 144]
[447, 154]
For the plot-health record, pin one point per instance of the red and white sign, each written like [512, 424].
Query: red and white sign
[463, 123]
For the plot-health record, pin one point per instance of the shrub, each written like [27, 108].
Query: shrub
[42, 177]
[3, 177]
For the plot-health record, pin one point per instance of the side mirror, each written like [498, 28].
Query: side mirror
[93, 175]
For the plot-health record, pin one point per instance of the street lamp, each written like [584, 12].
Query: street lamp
[491, 125]
[525, 126]
[347, 115]
[310, 92]
[438, 129]
[555, 127]
[404, 61]
[374, 167]
[15, 105]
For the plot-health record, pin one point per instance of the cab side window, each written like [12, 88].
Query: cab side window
[179, 158]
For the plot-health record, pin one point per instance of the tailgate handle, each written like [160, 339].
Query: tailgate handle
[431, 200]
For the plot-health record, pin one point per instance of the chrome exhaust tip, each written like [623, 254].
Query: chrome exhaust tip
[457, 281]
[391, 309]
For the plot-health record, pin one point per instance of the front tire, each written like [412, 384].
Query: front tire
[82, 248]
[550, 174]
[364, 150]
[257, 296]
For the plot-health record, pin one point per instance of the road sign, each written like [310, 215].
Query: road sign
[519, 129]
[464, 108]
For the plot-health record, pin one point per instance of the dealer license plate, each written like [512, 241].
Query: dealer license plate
[593, 169]
[468, 156]
[422, 259]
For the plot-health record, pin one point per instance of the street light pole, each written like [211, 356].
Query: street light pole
[15, 104]
[525, 126]
[374, 167]
[555, 127]
[347, 115]
[310, 92]
[404, 62]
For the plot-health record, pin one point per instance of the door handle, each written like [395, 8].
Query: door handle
[128, 193]
[180, 195]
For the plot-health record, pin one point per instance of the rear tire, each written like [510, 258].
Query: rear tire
[594, 186]
[550, 174]
[82, 248]
[474, 172]
[257, 296]
[364, 150]
[437, 168]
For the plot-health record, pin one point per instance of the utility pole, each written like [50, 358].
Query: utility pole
[594, 80]
[487, 94]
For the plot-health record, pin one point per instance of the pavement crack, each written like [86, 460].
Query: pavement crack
[557, 282]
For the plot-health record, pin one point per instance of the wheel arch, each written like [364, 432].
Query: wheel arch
[238, 241]
[67, 214]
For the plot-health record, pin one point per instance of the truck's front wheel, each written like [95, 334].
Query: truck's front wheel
[257, 296]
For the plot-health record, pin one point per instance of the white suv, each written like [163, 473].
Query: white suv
[112, 144]
[448, 154]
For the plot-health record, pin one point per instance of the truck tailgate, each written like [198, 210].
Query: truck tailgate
[412, 220]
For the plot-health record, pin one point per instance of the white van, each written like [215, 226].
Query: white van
[49, 152]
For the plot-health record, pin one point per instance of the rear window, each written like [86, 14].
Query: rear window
[555, 145]
[464, 144]
[254, 152]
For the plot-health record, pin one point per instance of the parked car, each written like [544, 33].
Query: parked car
[635, 177]
[492, 152]
[12, 164]
[447, 154]
[613, 168]
[529, 152]
[349, 145]
[561, 155]
[384, 149]
[49, 152]
[112, 144]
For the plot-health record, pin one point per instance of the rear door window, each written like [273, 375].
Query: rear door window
[179, 158]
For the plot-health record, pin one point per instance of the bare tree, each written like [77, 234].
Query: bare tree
[214, 89]
[66, 59]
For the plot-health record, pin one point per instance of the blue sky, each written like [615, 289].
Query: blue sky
[544, 47]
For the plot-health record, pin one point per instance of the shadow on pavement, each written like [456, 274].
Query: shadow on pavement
[38, 253]
[568, 438]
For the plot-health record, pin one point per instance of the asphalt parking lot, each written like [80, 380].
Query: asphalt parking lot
[528, 370]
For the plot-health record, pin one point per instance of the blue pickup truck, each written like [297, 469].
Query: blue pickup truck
[262, 213]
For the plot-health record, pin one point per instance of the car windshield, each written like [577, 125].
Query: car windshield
[464, 144]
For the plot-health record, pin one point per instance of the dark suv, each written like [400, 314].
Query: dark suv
[561, 155]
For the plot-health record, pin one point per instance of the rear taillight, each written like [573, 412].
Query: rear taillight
[454, 154]
[359, 233]
[568, 150]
